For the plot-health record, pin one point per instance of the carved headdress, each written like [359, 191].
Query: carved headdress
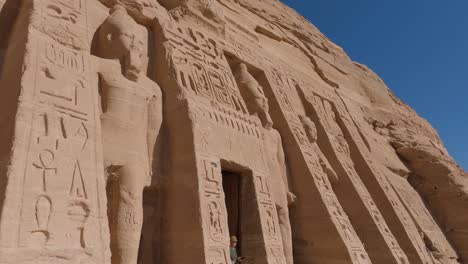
[120, 37]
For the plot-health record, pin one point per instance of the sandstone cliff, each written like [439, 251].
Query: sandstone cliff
[197, 120]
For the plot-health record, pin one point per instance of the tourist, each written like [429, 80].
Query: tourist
[233, 249]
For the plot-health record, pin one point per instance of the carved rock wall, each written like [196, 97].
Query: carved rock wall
[122, 123]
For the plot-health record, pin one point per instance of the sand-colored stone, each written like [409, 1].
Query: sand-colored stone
[145, 132]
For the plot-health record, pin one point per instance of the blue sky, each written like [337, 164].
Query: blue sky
[418, 47]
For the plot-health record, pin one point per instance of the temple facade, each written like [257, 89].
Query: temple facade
[147, 132]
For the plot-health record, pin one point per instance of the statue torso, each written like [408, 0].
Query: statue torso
[124, 119]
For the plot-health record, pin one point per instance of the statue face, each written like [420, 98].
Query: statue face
[243, 67]
[310, 128]
[122, 38]
[132, 46]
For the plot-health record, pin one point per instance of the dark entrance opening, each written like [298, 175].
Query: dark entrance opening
[232, 192]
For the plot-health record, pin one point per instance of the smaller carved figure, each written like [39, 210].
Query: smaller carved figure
[311, 131]
[255, 99]
[310, 128]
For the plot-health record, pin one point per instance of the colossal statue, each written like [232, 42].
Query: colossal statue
[131, 120]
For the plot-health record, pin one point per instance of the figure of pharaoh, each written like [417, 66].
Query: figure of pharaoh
[311, 131]
[131, 120]
[282, 196]
[254, 97]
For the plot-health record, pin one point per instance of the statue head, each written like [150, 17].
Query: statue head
[309, 127]
[243, 67]
[242, 74]
[120, 37]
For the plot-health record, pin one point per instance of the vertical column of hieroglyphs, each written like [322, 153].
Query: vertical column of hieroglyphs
[214, 210]
[318, 177]
[59, 201]
[381, 190]
[363, 210]
[270, 222]
[206, 79]
[190, 53]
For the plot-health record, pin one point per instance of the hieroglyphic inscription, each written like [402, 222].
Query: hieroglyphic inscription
[243, 52]
[327, 116]
[64, 21]
[43, 210]
[227, 117]
[334, 118]
[216, 221]
[215, 213]
[68, 11]
[59, 141]
[342, 219]
[46, 158]
[62, 80]
[316, 167]
[267, 210]
[285, 84]
[61, 133]
[218, 256]
[403, 216]
[277, 254]
[202, 69]
[210, 173]
[77, 186]
[69, 60]
[57, 179]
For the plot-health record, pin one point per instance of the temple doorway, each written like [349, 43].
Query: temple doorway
[233, 198]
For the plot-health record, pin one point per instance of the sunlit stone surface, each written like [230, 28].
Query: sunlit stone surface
[146, 132]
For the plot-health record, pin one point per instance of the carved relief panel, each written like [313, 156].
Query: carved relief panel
[337, 122]
[60, 197]
[214, 210]
[269, 218]
[201, 68]
[205, 78]
[64, 21]
[63, 160]
[328, 117]
[310, 153]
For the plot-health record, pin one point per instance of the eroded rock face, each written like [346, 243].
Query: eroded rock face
[144, 131]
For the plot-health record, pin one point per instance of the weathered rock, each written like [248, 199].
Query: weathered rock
[144, 131]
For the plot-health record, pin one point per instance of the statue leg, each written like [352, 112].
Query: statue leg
[128, 214]
[285, 228]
